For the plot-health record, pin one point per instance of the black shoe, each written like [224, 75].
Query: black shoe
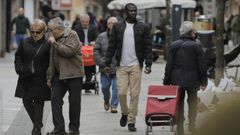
[123, 120]
[71, 132]
[36, 131]
[88, 91]
[57, 132]
[131, 127]
[180, 130]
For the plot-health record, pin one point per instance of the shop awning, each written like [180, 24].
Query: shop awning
[145, 4]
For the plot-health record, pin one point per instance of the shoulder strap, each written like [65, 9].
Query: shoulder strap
[38, 50]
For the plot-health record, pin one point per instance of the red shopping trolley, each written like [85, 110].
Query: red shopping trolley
[162, 106]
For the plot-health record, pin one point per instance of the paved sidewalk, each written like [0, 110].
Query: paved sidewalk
[94, 120]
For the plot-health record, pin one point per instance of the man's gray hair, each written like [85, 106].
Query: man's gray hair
[84, 16]
[186, 27]
[57, 22]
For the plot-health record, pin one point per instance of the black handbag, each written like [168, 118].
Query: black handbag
[28, 68]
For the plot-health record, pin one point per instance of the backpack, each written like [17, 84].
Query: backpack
[88, 55]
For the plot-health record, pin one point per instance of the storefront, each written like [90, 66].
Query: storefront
[3, 4]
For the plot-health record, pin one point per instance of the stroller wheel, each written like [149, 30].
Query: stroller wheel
[97, 89]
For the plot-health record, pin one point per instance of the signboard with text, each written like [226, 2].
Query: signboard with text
[62, 4]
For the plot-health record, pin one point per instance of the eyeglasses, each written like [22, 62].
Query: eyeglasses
[36, 32]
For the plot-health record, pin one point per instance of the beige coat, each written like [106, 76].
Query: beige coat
[69, 55]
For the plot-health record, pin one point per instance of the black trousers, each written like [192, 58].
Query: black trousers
[59, 89]
[192, 109]
[34, 108]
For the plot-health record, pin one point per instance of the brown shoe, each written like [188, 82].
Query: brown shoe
[106, 105]
[113, 110]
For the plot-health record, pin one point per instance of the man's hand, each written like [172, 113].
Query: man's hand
[147, 70]
[49, 84]
[92, 43]
[81, 43]
[51, 39]
[107, 70]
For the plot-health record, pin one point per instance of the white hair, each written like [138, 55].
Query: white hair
[186, 27]
[84, 16]
[112, 19]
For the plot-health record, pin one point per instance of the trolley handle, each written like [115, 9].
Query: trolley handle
[162, 97]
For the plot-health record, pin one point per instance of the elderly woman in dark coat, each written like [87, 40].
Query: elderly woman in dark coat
[31, 64]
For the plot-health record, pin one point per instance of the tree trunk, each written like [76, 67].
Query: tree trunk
[219, 41]
[168, 8]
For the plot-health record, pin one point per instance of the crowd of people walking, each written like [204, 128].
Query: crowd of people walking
[49, 64]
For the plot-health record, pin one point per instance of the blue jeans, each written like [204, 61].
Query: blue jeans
[20, 38]
[106, 82]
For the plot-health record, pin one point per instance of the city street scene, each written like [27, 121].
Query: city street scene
[120, 67]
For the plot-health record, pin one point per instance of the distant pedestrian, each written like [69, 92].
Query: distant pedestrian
[107, 80]
[22, 26]
[158, 39]
[65, 72]
[186, 67]
[130, 42]
[76, 21]
[235, 27]
[31, 64]
[66, 22]
[87, 34]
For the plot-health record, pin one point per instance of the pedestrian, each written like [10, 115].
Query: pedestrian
[235, 27]
[107, 79]
[130, 42]
[186, 67]
[31, 64]
[65, 72]
[87, 34]
[66, 22]
[22, 26]
[76, 21]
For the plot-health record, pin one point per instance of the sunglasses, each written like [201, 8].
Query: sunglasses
[36, 32]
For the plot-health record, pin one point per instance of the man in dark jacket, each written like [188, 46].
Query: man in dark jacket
[87, 34]
[130, 42]
[22, 24]
[186, 67]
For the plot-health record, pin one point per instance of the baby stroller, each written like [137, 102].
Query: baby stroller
[90, 82]
[162, 106]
